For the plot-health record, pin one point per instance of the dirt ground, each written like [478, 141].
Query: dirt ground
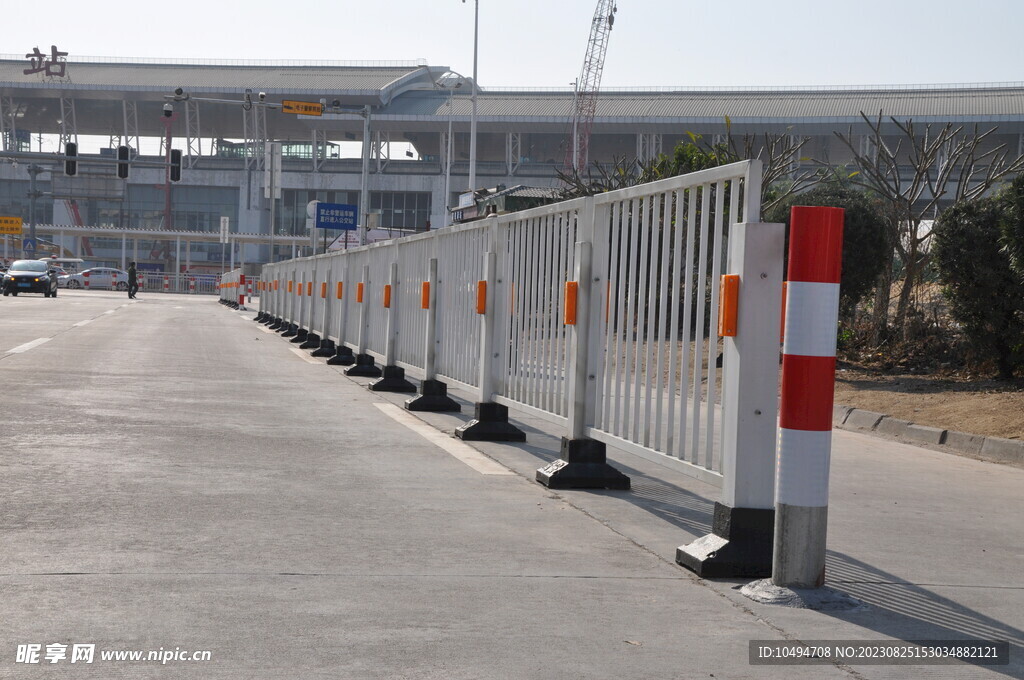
[955, 402]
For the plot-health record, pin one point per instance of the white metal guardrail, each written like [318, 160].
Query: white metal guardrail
[645, 264]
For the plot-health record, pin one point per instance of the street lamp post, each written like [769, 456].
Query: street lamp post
[472, 124]
[448, 153]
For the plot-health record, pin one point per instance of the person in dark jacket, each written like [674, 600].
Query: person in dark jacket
[133, 280]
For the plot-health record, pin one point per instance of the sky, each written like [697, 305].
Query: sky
[542, 43]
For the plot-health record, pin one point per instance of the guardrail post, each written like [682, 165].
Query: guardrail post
[393, 379]
[241, 291]
[277, 302]
[433, 393]
[740, 542]
[583, 463]
[808, 388]
[490, 421]
[300, 316]
[326, 348]
[312, 337]
[291, 295]
[364, 362]
[343, 356]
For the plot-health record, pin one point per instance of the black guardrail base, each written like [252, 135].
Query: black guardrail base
[583, 465]
[433, 397]
[739, 545]
[312, 340]
[343, 357]
[393, 381]
[326, 349]
[490, 424]
[364, 368]
[290, 330]
[300, 335]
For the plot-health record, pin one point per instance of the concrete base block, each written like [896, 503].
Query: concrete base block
[740, 544]
[863, 420]
[364, 368]
[326, 349]
[817, 599]
[300, 336]
[928, 435]
[583, 465]
[894, 427]
[433, 397]
[840, 414]
[393, 380]
[274, 323]
[289, 330]
[312, 341]
[342, 357]
[1003, 450]
[490, 425]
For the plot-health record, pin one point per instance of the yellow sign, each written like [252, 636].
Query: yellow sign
[10, 225]
[302, 108]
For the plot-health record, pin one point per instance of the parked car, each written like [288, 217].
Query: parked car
[30, 276]
[99, 277]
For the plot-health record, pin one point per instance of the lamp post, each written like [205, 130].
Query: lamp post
[472, 124]
[448, 153]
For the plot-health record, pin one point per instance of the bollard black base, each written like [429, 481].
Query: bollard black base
[739, 545]
[289, 329]
[300, 335]
[393, 381]
[326, 349]
[433, 397]
[312, 340]
[343, 357]
[364, 368]
[583, 465]
[490, 424]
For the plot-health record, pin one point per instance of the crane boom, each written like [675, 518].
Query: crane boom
[588, 84]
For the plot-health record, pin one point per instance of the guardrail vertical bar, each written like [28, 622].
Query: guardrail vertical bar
[393, 378]
[583, 463]
[364, 366]
[740, 542]
[433, 393]
[490, 422]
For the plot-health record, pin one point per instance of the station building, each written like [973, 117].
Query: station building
[337, 123]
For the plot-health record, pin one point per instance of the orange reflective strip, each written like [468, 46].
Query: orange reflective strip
[323, 289]
[359, 292]
[571, 290]
[728, 305]
[425, 295]
[339, 289]
[290, 286]
[275, 283]
[309, 288]
[299, 288]
[481, 297]
[387, 295]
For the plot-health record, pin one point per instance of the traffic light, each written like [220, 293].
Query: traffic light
[122, 162]
[71, 160]
[175, 165]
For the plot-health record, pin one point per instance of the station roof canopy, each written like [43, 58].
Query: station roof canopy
[406, 97]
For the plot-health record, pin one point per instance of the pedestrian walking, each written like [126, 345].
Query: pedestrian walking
[133, 281]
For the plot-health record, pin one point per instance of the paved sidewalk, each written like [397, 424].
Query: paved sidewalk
[207, 488]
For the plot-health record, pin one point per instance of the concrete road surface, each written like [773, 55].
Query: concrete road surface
[176, 479]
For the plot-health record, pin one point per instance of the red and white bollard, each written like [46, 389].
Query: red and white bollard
[191, 284]
[248, 287]
[241, 291]
[113, 280]
[85, 278]
[806, 398]
[167, 284]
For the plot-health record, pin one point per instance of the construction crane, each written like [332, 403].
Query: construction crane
[588, 84]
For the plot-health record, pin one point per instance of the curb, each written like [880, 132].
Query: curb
[992, 449]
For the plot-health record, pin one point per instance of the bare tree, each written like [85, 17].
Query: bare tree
[945, 165]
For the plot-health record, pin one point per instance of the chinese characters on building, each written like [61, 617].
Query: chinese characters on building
[52, 64]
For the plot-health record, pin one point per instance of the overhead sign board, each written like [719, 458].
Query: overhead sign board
[336, 216]
[302, 108]
[10, 225]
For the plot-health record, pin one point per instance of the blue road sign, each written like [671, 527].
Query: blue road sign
[28, 245]
[336, 216]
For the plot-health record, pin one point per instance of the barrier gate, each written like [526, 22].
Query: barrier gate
[598, 314]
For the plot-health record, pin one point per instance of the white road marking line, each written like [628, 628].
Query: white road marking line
[462, 452]
[302, 355]
[28, 345]
[82, 323]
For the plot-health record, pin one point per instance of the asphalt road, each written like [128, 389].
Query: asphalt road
[176, 478]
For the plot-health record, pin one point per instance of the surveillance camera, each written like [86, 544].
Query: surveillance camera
[178, 92]
[168, 110]
[263, 96]
[336, 103]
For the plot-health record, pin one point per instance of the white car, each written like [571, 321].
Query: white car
[99, 277]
